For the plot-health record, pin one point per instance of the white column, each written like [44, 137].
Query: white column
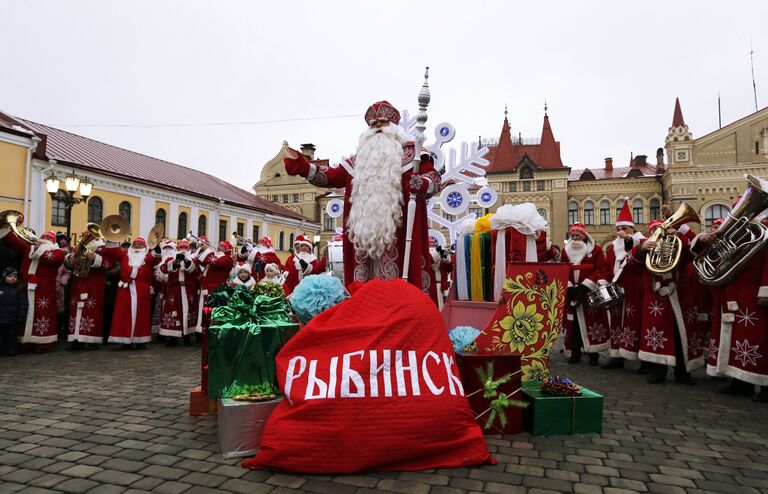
[248, 230]
[194, 215]
[213, 226]
[173, 220]
[39, 202]
[146, 215]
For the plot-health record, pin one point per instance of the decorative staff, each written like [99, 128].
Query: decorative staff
[421, 121]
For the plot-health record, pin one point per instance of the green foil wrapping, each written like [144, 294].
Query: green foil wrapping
[243, 340]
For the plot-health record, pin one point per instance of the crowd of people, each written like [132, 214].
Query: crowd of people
[100, 292]
[668, 319]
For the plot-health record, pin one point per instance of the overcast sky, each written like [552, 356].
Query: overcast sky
[609, 72]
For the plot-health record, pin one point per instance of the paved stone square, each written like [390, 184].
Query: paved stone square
[110, 421]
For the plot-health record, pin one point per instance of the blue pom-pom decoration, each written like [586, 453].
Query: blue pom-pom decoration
[315, 294]
[461, 336]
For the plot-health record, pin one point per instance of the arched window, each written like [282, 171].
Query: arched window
[124, 210]
[182, 231]
[637, 211]
[542, 212]
[281, 241]
[714, 212]
[619, 205]
[292, 239]
[605, 213]
[160, 218]
[573, 213]
[654, 209]
[589, 213]
[202, 226]
[59, 209]
[95, 210]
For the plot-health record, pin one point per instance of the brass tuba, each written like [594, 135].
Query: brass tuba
[739, 238]
[81, 265]
[14, 220]
[665, 256]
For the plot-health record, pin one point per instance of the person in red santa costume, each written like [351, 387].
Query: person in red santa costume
[179, 293]
[377, 183]
[300, 264]
[159, 284]
[259, 256]
[585, 327]
[215, 268]
[86, 315]
[39, 266]
[739, 333]
[131, 322]
[624, 318]
[668, 337]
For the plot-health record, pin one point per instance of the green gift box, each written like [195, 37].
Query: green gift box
[556, 415]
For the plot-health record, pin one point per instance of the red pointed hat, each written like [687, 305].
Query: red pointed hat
[140, 240]
[579, 227]
[653, 224]
[50, 236]
[301, 239]
[183, 244]
[382, 109]
[625, 216]
[226, 244]
[266, 241]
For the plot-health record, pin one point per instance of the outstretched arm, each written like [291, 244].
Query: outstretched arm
[319, 175]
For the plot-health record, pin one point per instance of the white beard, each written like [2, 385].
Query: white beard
[577, 249]
[376, 200]
[167, 254]
[263, 249]
[136, 257]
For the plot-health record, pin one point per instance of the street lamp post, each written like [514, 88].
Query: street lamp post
[72, 183]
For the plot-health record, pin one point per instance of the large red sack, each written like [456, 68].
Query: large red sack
[412, 416]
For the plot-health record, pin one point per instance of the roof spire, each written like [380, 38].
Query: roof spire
[505, 110]
[545, 107]
[677, 118]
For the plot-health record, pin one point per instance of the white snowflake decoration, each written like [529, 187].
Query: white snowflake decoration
[656, 308]
[49, 255]
[655, 338]
[169, 321]
[690, 315]
[746, 353]
[746, 317]
[87, 325]
[629, 310]
[628, 337]
[90, 303]
[597, 332]
[713, 349]
[43, 302]
[41, 326]
[695, 345]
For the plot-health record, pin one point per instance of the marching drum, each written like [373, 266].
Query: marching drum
[605, 296]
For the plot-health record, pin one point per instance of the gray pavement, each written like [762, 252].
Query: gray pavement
[109, 421]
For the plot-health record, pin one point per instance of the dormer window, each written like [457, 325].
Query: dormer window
[526, 173]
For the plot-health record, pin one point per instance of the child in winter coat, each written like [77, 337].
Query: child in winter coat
[13, 311]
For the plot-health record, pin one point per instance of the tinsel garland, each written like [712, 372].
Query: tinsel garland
[559, 386]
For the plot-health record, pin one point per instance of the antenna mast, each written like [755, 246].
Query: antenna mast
[752, 62]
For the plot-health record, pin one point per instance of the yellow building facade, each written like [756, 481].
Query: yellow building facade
[143, 190]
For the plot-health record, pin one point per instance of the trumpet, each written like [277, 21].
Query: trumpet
[666, 255]
[14, 220]
[201, 243]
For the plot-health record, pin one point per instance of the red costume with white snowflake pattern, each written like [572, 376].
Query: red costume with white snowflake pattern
[739, 339]
[668, 302]
[178, 311]
[589, 268]
[131, 320]
[39, 267]
[625, 318]
[86, 303]
[259, 256]
[214, 268]
[359, 265]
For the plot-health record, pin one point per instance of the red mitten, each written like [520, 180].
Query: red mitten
[298, 165]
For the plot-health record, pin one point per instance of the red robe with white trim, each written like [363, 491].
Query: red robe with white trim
[214, 268]
[668, 301]
[86, 304]
[294, 272]
[739, 339]
[39, 267]
[390, 266]
[131, 320]
[593, 324]
[625, 318]
[263, 258]
[178, 311]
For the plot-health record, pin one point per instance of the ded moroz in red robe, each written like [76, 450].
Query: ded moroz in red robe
[178, 311]
[39, 267]
[625, 317]
[294, 272]
[86, 314]
[390, 266]
[738, 345]
[592, 269]
[257, 258]
[214, 268]
[668, 302]
[131, 320]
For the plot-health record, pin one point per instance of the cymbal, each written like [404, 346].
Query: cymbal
[115, 228]
[155, 235]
